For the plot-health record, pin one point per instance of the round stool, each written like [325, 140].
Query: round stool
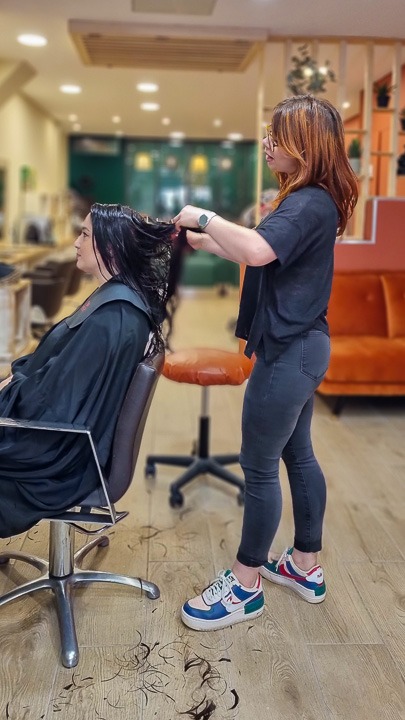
[205, 367]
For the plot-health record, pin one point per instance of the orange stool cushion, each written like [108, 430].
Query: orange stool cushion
[207, 366]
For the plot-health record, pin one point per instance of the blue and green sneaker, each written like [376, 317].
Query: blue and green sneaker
[310, 585]
[225, 602]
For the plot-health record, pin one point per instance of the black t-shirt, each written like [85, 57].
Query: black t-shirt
[290, 295]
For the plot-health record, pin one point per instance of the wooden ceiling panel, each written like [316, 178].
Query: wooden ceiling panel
[106, 49]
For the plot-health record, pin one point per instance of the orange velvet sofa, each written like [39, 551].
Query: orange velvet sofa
[366, 317]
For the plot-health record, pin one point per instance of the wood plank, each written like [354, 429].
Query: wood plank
[382, 591]
[198, 663]
[356, 531]
[341, 618]
[359, 681]
[282, 682]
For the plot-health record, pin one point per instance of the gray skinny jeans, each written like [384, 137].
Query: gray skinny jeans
[276, 423]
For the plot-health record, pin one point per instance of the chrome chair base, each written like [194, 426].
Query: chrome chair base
[61, 574]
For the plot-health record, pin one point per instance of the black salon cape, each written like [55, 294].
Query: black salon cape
[76, 375]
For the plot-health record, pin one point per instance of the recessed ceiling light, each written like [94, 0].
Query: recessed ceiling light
[150, 107]
[76, 127]
[177, 135]
[32, 40]
[147, 87]
[70, 89]
[72, 117]
[345, 105]
[116, 119]
[119, 133]
[166, 121]
[217, 122]
[235, 137]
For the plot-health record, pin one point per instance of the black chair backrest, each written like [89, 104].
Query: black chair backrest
[48, 294]
[131, 424]
[61, 269]
[75, 281]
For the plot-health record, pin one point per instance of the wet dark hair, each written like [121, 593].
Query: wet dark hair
[136, 250]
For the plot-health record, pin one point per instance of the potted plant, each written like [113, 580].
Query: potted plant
[354, 155]
[402, 118]
[382, 91]
[305, 75]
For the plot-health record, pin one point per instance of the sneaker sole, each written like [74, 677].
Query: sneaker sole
[303, 592]
[235, 617]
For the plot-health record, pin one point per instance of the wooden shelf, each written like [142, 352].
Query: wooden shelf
[383, 110]
[381, 154]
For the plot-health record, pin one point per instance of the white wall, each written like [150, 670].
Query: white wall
[28, 136]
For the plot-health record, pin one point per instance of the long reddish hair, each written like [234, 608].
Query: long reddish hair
[310, 130]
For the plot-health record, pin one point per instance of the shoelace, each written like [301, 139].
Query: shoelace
[219, 588]
[282, 557]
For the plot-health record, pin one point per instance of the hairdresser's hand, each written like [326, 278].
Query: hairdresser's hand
[196, 239]
[188, 216]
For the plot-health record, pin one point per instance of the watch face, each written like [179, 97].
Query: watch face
[202, 221]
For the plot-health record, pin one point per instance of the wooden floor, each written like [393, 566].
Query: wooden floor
[341, 660]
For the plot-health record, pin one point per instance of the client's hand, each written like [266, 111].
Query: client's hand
[5, 382]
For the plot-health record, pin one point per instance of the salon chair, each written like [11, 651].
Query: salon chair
[74, 282]
[204, 367]
[62, 571]
[62, 268]
[46, 300]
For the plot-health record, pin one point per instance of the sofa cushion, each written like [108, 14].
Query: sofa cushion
[357, 305]
[394, 291]
[367, 360]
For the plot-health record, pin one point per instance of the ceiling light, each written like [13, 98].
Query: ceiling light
[150, 107]
[119, 133]
[72, 117]
[217, 122]
[32, 40]
[166, 121]
[345, 105]
[147, 87]
[177, 135]
[70, 89]
[308, 72]
[116, 119]
[77, 127]
[235, 137]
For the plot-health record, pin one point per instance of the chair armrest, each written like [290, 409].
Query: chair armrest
[66, 428]
[37, 425]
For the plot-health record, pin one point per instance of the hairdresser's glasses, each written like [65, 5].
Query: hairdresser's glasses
[272, 143]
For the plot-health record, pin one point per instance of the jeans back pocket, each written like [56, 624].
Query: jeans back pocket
[315, 354]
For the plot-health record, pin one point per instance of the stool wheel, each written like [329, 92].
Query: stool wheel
[104, 542]
[241, 498]
[176, 499]
[150, 471]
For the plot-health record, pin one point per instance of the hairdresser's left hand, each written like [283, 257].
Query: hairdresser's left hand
[188, 217]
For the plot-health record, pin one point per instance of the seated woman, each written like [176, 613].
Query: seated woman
[82, 367]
